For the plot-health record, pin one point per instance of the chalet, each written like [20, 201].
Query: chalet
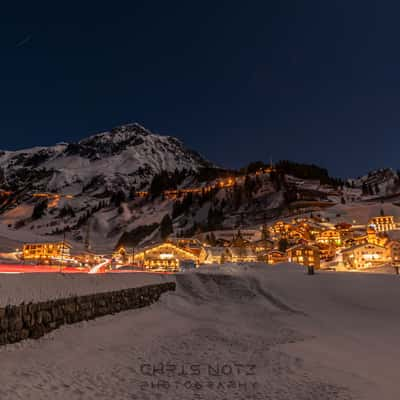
[240, 250]
[280, 229]
[275, 257]
[189, 244]
[226, 237]
[343, 226]
[164, 257]
[307, 228]
[327, 252]
[329, 236]
[46, 250]
[305, 254]
[364, 256]
[372, 237]
[214, 255]
[124, 255]
[241, 254]
[394, 251]
[382, 223]
[262, 246]
[239, 241]
[296, 234]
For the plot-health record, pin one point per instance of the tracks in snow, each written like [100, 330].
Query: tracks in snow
[201, 287]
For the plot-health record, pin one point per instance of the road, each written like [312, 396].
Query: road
[24, 269]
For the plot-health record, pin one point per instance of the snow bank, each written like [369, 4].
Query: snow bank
[378, 293]
[15, 289]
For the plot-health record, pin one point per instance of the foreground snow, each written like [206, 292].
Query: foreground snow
[327, 336]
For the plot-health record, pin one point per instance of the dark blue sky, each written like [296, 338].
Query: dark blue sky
[314, 81]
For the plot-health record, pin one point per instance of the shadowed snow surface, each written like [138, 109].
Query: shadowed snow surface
[328, 336]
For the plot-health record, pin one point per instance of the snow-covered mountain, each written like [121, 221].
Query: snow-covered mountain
[382, 182]
[126, 157]
[89, 189]
[77, 181]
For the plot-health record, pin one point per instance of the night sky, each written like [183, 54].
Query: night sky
[310, 81]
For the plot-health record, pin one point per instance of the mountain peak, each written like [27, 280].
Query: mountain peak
[122, 133]
[131, 127]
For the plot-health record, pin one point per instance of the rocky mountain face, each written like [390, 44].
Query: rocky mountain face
[125, 157]
[381, 182]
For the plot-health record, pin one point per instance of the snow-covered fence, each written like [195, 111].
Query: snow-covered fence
[34, 320]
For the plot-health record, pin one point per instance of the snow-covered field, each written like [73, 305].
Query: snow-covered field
[15, 289]
[273, 333]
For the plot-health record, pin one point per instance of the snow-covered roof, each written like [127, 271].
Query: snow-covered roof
[215, 251]
[241, 252]
[357, 246]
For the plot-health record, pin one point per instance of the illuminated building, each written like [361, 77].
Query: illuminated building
[275, 257]
[394, 251]
[164, 257]
[239, 241]
[262, 246]
[383, 223]
[214, 255]
[329, 236]
[372, 237]
[365, 256]
[280, 229]
[327, 252]
[46, 251]
[124, 255]
[240, 249]
[241, 254]
[293, 232]
[189, 244]
[305, 254]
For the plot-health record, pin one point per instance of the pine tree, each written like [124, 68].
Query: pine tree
[213, 239]
[370, 190]
[166, 227]
[283, 244]
[118, 198]
[39, 209]
[364, 189]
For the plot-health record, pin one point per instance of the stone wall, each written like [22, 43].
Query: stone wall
[34, 320]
